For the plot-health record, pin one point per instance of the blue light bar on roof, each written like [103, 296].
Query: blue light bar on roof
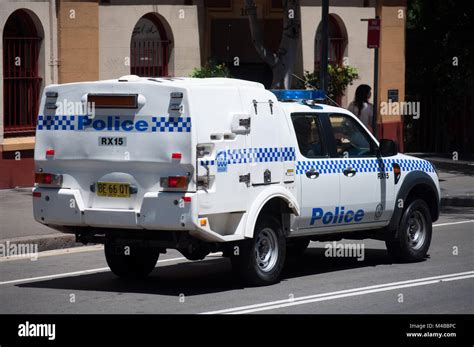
[298, 94]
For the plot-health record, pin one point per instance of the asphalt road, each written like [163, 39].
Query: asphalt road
[78, 281]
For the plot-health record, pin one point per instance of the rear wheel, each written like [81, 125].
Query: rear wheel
[131, 261]
[414, 234]
[260, 260]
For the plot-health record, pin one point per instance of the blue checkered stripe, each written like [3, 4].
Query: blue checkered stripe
[415, 165]
[267, 154]
[56, 122]
[332, 166]
[164, 124]
[256, 155]
[288, 154]
[361, 165]
[271, 154]
[239, 156]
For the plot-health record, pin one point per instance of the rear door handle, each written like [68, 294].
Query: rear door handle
[312, 173]
[349, 171]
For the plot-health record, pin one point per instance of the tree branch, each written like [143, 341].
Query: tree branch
[257, 39]
[286, 55]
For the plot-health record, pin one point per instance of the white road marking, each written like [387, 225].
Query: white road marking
[272, 305]
[54, 252]
[82, 272]
[93, 248]
[66, 274]
[456, 278]
[453, 223]
[97, 270]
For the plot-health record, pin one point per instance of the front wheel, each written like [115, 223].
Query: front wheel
[260, 260]
[130, 262]
[414, 234]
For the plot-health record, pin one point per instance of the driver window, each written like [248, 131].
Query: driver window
[308, 135]
[351, 141]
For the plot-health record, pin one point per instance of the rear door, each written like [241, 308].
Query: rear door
[118, 152]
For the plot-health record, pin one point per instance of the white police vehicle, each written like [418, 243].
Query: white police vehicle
[208, 165]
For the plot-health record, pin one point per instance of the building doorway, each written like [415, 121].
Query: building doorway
[231, 43]
[337, 42]
[150, 47]
[22, 39]
[336, 47]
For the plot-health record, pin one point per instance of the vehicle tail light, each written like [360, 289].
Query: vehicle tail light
[174, 182]
[186, 198]
[37, 194]
[49, 152]
[177, 181]
[176, 156]
[48, 179]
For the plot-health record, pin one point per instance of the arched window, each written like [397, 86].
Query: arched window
[149, 48]
[337, 43]
[21, 78]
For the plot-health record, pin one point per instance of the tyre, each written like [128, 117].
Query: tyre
[138, 263]
[296, 247]
[414, 234]
[260, 260]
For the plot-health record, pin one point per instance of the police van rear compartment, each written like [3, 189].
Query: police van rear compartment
[111, 147]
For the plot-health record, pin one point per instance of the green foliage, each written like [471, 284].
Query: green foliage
[211, 69]
[339, 77]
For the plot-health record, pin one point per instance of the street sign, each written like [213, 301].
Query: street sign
[392, 95]
[373, 33]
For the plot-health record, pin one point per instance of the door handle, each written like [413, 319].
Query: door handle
[312, 173]
[349, 171]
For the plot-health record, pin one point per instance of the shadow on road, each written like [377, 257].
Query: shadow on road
[454, 211]
[209, 275]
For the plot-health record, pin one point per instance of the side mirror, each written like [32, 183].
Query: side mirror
[388, 148]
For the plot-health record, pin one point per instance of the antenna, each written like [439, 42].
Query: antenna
[326, 96]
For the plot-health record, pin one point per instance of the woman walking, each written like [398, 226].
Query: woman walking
[361, 106]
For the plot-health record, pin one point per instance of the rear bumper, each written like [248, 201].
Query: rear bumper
[164, 211]
[158, 211]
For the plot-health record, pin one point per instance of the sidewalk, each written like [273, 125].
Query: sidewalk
[18, 226]
[456, 179]
[447, 163]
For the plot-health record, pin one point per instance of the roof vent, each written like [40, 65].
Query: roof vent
[129, 78]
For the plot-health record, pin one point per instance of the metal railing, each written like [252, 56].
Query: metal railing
[149, 58]
[21, 85]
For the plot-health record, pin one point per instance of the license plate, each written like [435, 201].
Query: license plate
[113, 190]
